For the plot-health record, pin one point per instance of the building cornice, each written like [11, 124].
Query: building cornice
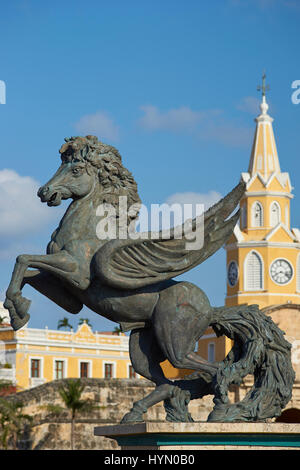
[71, 344]
[255, 244]
[261, 294]
[68, 354]
[268, 193]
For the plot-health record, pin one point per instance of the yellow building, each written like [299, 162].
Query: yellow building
[263, 264]
[35, 356]
[262, 255]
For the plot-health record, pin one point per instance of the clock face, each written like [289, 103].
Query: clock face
[281, 271]
[232, 273]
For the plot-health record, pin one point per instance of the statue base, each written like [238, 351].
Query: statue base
[203, 436]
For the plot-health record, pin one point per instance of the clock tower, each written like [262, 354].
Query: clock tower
[263, 253]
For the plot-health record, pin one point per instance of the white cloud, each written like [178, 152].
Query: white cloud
[22, 215]
[180, 119]
[249, 104]
[228, 133]
[100, 124]
[21, 211]
[204, 125]
[176, 209]
[207, 199]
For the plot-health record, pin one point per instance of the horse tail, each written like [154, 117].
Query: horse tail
[260, 349]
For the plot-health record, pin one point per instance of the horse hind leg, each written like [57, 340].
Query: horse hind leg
[181, 317]
[146, 356]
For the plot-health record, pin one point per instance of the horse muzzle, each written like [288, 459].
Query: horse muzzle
[50, 196]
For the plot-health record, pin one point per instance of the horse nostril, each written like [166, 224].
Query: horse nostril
[43, 191]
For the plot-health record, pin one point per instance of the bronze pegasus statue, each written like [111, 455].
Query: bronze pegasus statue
[130, 281]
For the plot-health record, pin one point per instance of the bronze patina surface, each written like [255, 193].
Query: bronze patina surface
[130, 281]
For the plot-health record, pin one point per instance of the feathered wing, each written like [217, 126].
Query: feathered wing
[130, 264]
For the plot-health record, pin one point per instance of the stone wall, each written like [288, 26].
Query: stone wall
[114, 398]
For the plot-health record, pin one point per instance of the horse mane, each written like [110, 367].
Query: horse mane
[114, 179]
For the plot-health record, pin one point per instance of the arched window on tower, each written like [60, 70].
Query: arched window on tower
[257, 215]
[253, 272]
[274, 214]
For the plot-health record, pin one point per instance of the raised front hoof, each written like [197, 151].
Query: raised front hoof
[21, 305]
[132, 417]
[17, 322]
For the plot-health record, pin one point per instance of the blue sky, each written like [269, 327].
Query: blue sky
[172, 84]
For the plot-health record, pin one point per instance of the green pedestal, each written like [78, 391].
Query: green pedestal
[203, 436]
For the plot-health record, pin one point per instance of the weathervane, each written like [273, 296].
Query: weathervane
[263, 88]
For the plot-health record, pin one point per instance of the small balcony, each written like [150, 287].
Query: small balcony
[8, 374]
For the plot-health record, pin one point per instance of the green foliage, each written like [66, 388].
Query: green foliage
[71, 393]
[64, 323]
[84, 320]
[12, 422]
[7, 365]
[54, 410]
[5, 384]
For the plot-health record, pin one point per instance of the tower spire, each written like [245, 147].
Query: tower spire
[263, 87]
[264, 157]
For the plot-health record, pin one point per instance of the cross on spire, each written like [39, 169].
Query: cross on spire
[263, 87]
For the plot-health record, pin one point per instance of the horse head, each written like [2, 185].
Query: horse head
[90, 166]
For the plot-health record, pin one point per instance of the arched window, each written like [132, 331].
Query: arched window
[298, 274]
[257, 215]
[274, 214]
[253, 272]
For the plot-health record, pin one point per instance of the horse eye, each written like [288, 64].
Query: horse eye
[75, 171]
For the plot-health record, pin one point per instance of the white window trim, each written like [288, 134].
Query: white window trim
[90, 365]
[245, 272]
[252, 214]
[275, 203]
[41, 359]
[114, 368]
[65, 370]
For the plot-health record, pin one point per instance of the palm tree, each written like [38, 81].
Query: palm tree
[117, 330]
[71, 392]
[64, 323]
[84, 320]
[12, 421]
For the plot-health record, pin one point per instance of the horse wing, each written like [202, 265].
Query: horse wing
[130, 264]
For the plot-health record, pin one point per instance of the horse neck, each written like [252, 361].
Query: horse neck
[80, 217]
